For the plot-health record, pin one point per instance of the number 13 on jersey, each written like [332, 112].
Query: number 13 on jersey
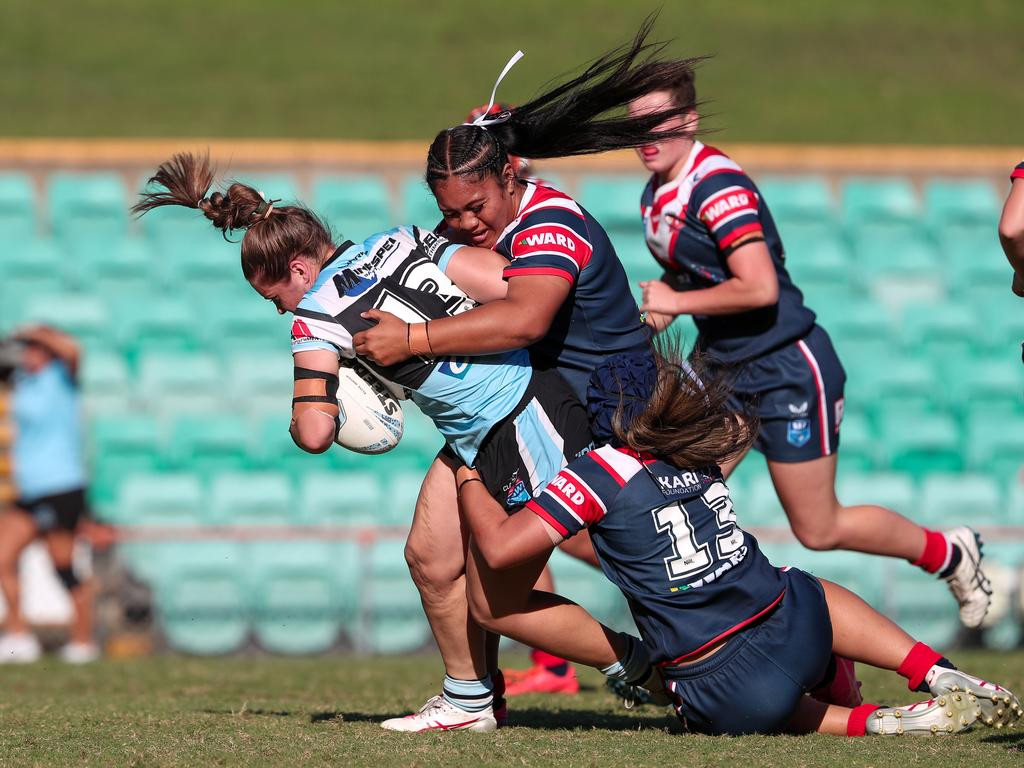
[691, 559]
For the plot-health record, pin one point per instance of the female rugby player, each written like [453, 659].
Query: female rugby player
[739, 643]
[709, 227]
[494, 411]
[1011, 228]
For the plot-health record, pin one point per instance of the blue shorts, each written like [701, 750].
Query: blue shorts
[755, 681]
[797, 392]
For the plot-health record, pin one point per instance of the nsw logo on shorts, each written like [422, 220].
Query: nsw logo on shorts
[798, 432]
[515, 491]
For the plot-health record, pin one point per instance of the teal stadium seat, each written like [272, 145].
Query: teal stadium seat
[988, 385]
[862, 335]
[951, 203]
[247, 325]
[391, 604]
[949, 500]
[898, 268]
[84, 317]
[202, 604]
[759, 506]
[251, 498]
[615, 202]
[945, 333]
[920, 603]
[920, 443]
[87, 206]
[1003, 322]
[261, 382]
[887, 489]
[340, 498]
[210, 443]
[798, 200]
[356, 206]
[107, 385]
[165, 499]
[276, 451]
[178, 381]
[878, 200]
[417, 203]
[17, 209]
[295, 605]
[273, 186]
[858, 445]
[995, 445]
[818, 260]
[906, 385]
[121, 445]
[148, 324]
[856, 571]
[974, 263]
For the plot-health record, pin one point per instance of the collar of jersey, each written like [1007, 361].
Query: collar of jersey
[322, 277]
[686, 171]
[523, 205]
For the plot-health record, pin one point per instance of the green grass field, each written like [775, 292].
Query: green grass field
[913, 71]
[255, 711]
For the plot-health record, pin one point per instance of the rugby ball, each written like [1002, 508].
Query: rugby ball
[370, 417]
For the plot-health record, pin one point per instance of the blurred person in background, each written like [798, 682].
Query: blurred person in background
[49, 474]
[1011, 228]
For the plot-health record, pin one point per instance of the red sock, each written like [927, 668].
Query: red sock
[936, 552]
[857, 725]
[920, 659]
[546, 660]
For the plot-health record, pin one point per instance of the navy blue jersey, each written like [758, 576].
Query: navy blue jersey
[553, 235]
[668, 539]
[1018, 172]
[693, 223]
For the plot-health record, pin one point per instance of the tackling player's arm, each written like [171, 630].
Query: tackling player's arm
[504, 540]
[1011, 229]
[478, 272]
[315, 400]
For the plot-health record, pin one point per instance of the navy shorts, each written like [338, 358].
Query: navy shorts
[755, 681]
[797, 391]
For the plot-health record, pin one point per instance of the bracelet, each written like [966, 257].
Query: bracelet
[418, 340]
[468, 480]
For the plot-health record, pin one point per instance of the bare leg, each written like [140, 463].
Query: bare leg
[861, 633]
[505, 602]
[17, 530]
[813, 716]
[436, 554]
[61, 546]
[807, 492]
[579, 546]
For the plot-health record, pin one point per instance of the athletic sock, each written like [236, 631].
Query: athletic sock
[937, 554]
[921, 664]
[498, 689]
[955, 556]
[635, 664]
[554, 664]
[857, 725]
[468, 695]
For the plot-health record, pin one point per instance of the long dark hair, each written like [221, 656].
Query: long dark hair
[671, 407]
[567, 119]
[274, 235]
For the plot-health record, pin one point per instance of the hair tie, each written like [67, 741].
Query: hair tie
[483, 120]
[264, 209]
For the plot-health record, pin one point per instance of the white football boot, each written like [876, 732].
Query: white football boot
[999, 707]
[19, 648]
[79, 653]
[968, 582]
[438, 714]
[936, 717]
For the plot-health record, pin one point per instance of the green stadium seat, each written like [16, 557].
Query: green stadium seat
[251, 498]
[957, 499]
[898, 268]
[149, 326]
[818, 260]
[887, 489]
[295, 604]
[84, 317]
[249, 325]
[130, 259]
[944, 333]
[1003, 323]
[340, 498]
[276, 451]
[871, 200]
[988, 385]
[798, 199]
[273, 186]
[17, 207]
[861, 332]
[391, 604]
[201, 599]
[855, 571]
[165, 499]
[87, 205]
[760, 506]
[951, 202]
[858, 446]
[615, 202]
[261, 383]
[920, 443]
[920, 604]
[107, 385]
[995, 444]
[164, 375]
[121, 445]
[356, 206]
[909, 383]
[417, 203]
[210, 444]
[584, 584]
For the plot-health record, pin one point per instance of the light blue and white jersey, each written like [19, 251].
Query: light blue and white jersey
[395, 271]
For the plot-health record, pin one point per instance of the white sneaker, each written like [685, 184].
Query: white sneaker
[19, 648]
[80, 653]
[968, 582]
[939, 716]
[999, 707]
[440, 715]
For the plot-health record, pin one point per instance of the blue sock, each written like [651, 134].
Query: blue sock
[469, 695]
[635, 664]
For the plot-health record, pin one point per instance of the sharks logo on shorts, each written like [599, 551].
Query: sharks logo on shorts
[515, 491]
[798, 432]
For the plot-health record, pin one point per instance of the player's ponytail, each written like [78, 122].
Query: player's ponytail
[273, 234]
[579, 117]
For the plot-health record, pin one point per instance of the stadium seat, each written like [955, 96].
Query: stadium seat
[862, 335]
[614, 201]
[988, 385]
[920, 443]
[210, 443]
[247, 325]
[798, 200]
[110, 261]
[160, 499]
[17, 207]
[201, 598]
[995, 445]
[356, 206]
[296, 607]
[417, 204]
[887, 489]
[250, 498]
[340, 498]
[817, 260]
[920, 603]
[149, 325]
[952, 202]
[84, 317]
[960, 499]
[858, 446]
[178, 375]
[906, 385]
[898, 268]
[759, 506]
[584, 584]
[107, 386]
[262, 383]
[87, 205]
[1003, 323]
[945, 333]
[273, 186]
[275, 451]
[858, 572]
[391, 604]
[871, 200]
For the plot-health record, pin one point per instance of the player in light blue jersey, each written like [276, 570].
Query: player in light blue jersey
[495, 412]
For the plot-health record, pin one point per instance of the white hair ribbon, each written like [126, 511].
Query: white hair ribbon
[483, 120]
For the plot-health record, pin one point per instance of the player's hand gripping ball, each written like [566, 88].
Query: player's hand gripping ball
[370, 418]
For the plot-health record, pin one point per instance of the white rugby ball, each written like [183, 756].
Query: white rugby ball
[370, 416]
